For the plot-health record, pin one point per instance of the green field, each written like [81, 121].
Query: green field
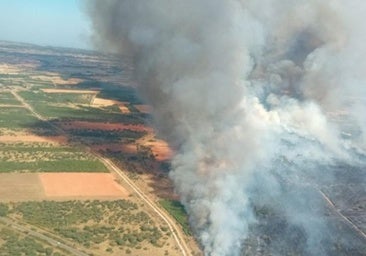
[75, 107]
[43, 157]
[176, 209]
[53, 166]
[58, 98]
[16, 118]
[6, 98]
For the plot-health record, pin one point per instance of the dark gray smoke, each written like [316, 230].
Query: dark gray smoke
[253, 94]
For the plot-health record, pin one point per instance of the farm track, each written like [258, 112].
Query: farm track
[174, 229]
[27, 106]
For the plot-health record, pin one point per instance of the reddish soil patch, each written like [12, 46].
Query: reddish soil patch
[103, 126]
[159, 148]
[33, 138]
[144, 108]
[93, 185]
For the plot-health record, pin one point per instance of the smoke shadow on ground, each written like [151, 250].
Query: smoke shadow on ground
[120, 145]
[109, 74]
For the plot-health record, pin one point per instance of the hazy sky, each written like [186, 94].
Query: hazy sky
[44, 22]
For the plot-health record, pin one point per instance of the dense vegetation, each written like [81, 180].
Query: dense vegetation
[176, 209]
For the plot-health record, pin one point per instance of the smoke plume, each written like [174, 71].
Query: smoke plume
[262, 100]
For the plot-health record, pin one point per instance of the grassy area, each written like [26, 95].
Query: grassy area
[58, 98]
[16, 118]
[45, 157]
[79, 112]
[72, 107]
[53, 166]
[176, 209]
[6, 98]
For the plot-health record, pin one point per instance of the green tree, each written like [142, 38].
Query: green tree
[3, 210]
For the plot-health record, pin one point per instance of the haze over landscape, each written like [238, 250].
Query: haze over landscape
[218, 128]
[49, 23]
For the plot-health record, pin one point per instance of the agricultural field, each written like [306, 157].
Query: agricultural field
[15, 118]
[8, 99]
[45, 157]
[60, 186]
[57, 123]
[68, 106]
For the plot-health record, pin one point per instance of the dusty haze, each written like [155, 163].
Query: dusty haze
[252, 95]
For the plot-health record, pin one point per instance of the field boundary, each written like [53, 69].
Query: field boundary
[175, 230]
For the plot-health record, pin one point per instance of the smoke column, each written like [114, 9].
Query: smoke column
[252, 94]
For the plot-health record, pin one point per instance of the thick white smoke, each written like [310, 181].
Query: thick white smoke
[251, 94]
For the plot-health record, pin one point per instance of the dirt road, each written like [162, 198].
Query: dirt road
[27, 106]
[177, 234]
[174, 229]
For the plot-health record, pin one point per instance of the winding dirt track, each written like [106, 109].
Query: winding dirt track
[174, 229]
